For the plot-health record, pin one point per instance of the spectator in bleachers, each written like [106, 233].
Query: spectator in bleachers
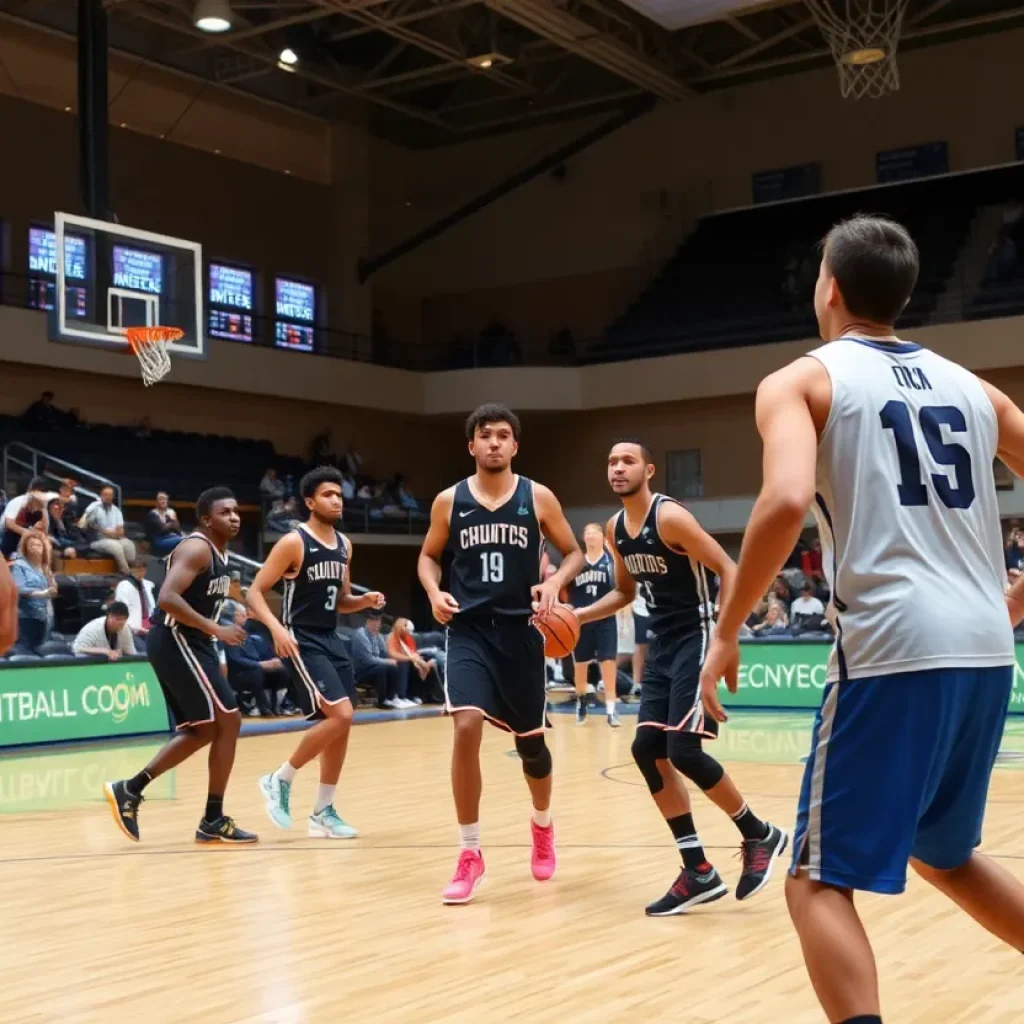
[24, 513]
[109, 635]
[348, 486]
[807, 613]
[66, 540]
[163, 530]
[426, 680]
[42, 414]
[810, 561]
[252, 669]
[271, 487]
[104, 518]
[283, 516]
[36, 590]
[403, 494]
[1015, 553]
[389, 677]
[783, 592]
[69, 499]
[776, 622]
[138, 595]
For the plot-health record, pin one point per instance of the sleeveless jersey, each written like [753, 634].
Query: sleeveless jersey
[205, 594]
[311, 595]
[492, 559]
[596, 580]
[906, 506]
[674, 586]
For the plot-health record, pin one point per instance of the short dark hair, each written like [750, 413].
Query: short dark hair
[315, 477]
[164, 493]
[209, 497]
[645, 449]
[875, 263]
[106, 487]
[117, 608]
[38, 483]
[492, 412]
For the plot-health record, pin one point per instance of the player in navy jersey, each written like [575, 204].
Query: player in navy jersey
[893, 447]
[599, 641]
[480, 567]
[180, 646]
[660, 549]
[315, 562]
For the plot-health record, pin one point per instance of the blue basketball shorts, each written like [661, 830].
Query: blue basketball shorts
[899, 768]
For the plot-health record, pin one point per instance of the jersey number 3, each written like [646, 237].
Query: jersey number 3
[895, 416]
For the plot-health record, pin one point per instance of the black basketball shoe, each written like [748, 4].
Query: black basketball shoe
[690, 889]
[758, 857]
[223, 830]
[581, 710]
[124, 806]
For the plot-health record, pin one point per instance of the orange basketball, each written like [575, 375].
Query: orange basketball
[561, 631]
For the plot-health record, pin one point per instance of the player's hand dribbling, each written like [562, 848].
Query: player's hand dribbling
[374, 599]
[233, 636]
[545, 597]
[444, 606]
[722, 662]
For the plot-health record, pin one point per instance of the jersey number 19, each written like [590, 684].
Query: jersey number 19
[492, 566]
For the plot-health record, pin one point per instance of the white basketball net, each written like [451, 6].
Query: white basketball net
[152, 350]
[863, 36]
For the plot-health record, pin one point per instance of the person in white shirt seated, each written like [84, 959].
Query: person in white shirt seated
[138, 595]
[807, 613]
[109, 635]
[105, 518]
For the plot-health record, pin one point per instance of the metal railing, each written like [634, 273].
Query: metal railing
[23, 457]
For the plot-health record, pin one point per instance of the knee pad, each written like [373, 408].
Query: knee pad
[649, 746]
[534, 754]
[689, 759]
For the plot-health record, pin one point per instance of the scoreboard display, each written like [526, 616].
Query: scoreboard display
[138, 270]
[230, 303]
[42, 269]
[295, 309]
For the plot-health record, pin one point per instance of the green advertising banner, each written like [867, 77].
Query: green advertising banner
[52, 704]
[777, 674]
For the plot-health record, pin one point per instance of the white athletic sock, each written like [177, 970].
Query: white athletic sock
[324, 797]
[286, 773]
[610, 706]
[739, 813]
[542, 819]
[469, 836]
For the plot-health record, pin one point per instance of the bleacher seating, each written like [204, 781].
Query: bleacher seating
[747, 277]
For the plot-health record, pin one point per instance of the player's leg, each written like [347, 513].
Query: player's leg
[325, 821]
[580, 670]
[608, 681]
[216, 826]
[951, 826]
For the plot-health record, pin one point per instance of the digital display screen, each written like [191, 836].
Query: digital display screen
[294, 300]
[42, 259]
[293, 336]
[231, 288]
[138, 271]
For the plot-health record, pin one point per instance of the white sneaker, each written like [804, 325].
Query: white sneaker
[392, 702]
[404, 703]
[418, 701]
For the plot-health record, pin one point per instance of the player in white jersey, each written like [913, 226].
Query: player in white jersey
[893, 447]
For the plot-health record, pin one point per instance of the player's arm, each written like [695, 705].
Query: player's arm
[620, 596]
[789, 459]
[190, 559]
[349, 602]
[555, 527]
[8, 608]
[428, 565]
[1010, 421]
[284, 559]
[680, 530]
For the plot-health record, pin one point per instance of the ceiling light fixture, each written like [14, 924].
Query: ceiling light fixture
[288, 56]
[213, 15]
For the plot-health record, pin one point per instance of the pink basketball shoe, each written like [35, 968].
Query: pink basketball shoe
[469, 873]
[542, 859]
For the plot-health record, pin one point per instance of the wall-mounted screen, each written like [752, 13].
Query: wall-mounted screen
[294, 307]
[42, 269]
[137, 270]
[230, 302]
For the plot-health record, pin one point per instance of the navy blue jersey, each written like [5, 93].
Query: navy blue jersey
[673, 584]
[204, 595]
[595, 580]
[492, 559]
[311, 595]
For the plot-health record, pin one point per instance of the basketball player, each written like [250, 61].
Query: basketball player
[660, 549]
[181, 650]
[315, 562]
[598, 641]
[893, 446]
[488, 531]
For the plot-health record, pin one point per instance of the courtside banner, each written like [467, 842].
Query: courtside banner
[52, 704]
[777, 674]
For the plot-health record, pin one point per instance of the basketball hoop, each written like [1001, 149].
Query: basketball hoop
[863, 36]
[150, 345]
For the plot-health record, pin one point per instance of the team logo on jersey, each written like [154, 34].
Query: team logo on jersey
[523, 511]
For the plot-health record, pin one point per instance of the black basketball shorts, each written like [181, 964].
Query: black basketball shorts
[322, 673]
[189, 673]
[497, 667]
[599, 641]
[670, 695]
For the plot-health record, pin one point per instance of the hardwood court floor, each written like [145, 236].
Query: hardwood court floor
[295, 931]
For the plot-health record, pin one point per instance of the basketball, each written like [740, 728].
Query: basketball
[561, 631]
